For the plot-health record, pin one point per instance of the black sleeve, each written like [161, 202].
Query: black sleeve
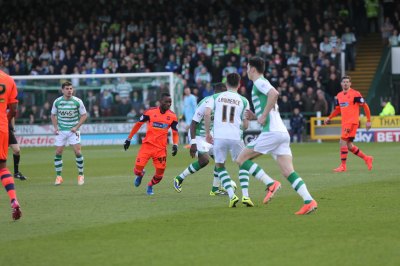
[359, 100]
[336, 102]
[144, 118]
[174, 125]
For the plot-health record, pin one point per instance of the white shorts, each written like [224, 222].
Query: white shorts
[202, 145]
[222, 146]
[65, 138]
[274, 143]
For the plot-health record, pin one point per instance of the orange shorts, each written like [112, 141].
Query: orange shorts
[349, 131]
[148, 151]
[3, 145]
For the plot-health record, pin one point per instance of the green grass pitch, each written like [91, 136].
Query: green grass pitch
[110, 222]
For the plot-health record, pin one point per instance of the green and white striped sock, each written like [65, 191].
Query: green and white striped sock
[300, 187]
[191, 169]
[257, 172]
[58, 164]
[244, 182]
[225, 181]
[79, 163]
[216, 181]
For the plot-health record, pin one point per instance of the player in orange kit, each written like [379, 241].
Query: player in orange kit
[8, 100]
[159, 120]
[348, 104]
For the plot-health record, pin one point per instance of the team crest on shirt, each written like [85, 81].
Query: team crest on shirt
[168, 118]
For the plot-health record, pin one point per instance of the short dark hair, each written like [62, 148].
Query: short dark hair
[219, 87]
[345, 77]
[258, 63]
[232, 80]
[65, 84]
[165, 94]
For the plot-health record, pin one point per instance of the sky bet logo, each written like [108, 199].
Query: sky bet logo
[363, 136]
[160, 125]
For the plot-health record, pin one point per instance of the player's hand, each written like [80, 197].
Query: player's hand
[327, 121]
[56, 131]
[174, 149]
[193, 150]
[127, 144]
[209, 139]
[74, 129]
[249, 115]
[262, 119]
[368, 125]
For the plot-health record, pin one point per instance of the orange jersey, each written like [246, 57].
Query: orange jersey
[8, 95]
[158, 125]
[349, 105]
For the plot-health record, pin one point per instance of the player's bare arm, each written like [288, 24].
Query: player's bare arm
[207, 123]
[272, 99]
[55, 125]
[250, 115]
[81, 121]
[193, 144]
[367, 112]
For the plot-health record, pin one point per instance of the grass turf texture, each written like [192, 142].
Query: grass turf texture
[110, 222]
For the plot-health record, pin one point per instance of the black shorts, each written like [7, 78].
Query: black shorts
[11, 138]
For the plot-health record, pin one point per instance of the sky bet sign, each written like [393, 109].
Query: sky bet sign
[378, 135]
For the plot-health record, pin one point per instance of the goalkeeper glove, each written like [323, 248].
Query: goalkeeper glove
[127, 144]
[174, 149]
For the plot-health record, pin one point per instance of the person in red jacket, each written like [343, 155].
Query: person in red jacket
[154, 146]
[348, 104]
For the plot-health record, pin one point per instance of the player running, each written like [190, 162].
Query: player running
[8, 100]
[348, 104]
[200, 147]
[274, 139]
[159, 120]
[229, 114]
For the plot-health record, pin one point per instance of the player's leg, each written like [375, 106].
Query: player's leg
[12, 142]
[203, 160]
[6, 178]
[357, 151]
[142, 158]
[262, 145]
[297, 183]
[343, 156]
[79, 160]
[17, 157]
[160, 163]
[60, 142]
[216, 188]
[346, 128]
[235, 150]
[75, 140]
[221, 147]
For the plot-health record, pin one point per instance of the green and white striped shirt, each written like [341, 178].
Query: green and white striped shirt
[199, 117]
[68, 112]
[259, 97]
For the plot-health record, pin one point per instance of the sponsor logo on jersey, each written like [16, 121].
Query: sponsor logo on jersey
[160, 125]
[345, 104]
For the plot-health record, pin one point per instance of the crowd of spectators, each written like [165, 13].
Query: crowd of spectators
[200, 41]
